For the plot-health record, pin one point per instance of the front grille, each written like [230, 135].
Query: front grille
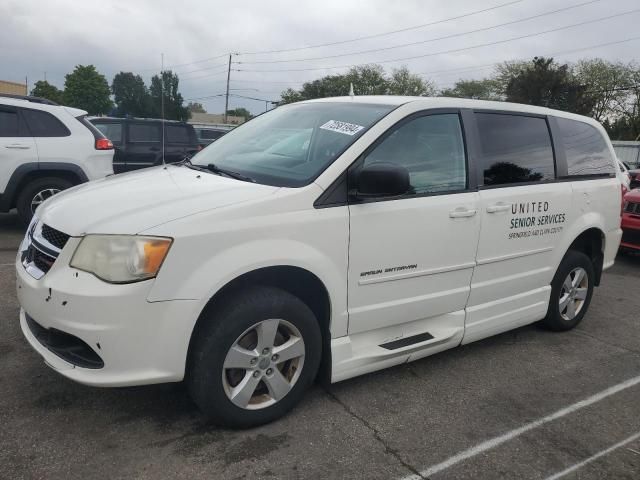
[66, 346]
[41, 260]
[54, 237]
[632, 208]
[631, 236]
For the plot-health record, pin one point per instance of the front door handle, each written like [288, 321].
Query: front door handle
[498, 207]
[18, 146]
[462, 212]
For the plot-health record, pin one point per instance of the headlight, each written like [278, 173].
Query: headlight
[121, 258]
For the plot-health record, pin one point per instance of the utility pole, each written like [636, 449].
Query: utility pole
[162, 101]
[226, 101]
[26, 84]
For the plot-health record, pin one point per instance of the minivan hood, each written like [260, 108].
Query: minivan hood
[133, 202]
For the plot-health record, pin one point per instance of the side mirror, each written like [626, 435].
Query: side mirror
[380, 180]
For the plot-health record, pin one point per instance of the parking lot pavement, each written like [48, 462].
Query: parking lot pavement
[525, 404]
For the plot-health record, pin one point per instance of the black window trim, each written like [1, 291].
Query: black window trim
[478, 154]
[337, 194]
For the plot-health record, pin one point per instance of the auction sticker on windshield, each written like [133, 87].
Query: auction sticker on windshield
[342, 127]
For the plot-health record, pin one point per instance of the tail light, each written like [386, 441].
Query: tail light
[103, 144]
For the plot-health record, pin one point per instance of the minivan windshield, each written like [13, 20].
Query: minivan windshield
[291, 145]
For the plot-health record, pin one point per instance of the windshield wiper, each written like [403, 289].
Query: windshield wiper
[229, 173]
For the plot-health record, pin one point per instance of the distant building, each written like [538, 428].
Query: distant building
[628, 152]
[13, 88]
[214, 118]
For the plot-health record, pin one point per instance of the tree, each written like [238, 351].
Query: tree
[628, 108]
[240, 112]
[44, 89]
[403, 82]
[195, 107]
[606, 82]
[487, 89]
[546, 83]
[131, 95]
[173, 108]
[87, 89]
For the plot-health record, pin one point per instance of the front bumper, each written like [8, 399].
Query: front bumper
[630, 231]
[139, 342]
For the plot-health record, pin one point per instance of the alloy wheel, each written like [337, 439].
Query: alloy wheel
[41, 196]
[573, 293]
[263, 364]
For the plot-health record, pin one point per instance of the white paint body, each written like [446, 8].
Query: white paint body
[470, 281]
[77, 149]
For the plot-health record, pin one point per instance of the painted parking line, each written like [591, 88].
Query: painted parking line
[496, 441]
[604, 452]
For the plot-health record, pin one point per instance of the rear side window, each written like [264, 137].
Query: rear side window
[586, 150]
[141, 132]
[8, 123]
[43, 124]
[514, 149]
[113, 131]
[177, 134]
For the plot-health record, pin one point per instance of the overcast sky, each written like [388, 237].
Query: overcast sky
[53, 36]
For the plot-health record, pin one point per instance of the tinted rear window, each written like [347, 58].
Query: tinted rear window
[8, 124]
[113, 131]
[141, 132]
[210, 134]
[43, 124]
[586, 150]
[177, 134]
[515, 149]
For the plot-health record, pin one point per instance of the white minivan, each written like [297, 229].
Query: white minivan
[323, 239]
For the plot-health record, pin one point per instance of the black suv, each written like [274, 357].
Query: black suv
[138, 141]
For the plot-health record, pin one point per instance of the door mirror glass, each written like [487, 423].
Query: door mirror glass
[381, 179]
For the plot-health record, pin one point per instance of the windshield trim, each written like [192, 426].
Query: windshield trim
[341, 152]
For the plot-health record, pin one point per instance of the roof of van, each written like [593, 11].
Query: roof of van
[451, 102]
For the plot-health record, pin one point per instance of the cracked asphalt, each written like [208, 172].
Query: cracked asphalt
[392, 424]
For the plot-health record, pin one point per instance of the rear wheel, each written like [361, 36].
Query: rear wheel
[36, 192]
[571, 291]
[255, 357]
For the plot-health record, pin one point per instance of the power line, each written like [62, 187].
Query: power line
[377, 35]
[454, 50]
[421, 42]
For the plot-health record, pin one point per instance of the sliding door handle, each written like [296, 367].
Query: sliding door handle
[498, 207]
[462, 212]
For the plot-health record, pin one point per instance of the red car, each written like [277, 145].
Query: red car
[631, 221]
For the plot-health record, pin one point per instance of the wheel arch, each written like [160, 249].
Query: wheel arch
[592, 243]
[297, 281]
[28, 172]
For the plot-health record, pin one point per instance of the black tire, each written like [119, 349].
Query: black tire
[571, 261]
[223, 327]
[31, 189]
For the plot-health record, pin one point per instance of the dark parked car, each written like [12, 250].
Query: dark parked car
[138, 141]
[207, 135]
[635, 177]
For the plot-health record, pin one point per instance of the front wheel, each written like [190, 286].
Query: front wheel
[571, 291]
[36, 192]
[254, 358]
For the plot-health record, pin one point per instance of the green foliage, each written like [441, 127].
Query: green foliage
[87, 89]
[195, 107]
[546, 83]
[240, 112]
[366, 80]
[44, 89]
[487, 89]
[606, 82]
[173, 108]
[131, 95]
